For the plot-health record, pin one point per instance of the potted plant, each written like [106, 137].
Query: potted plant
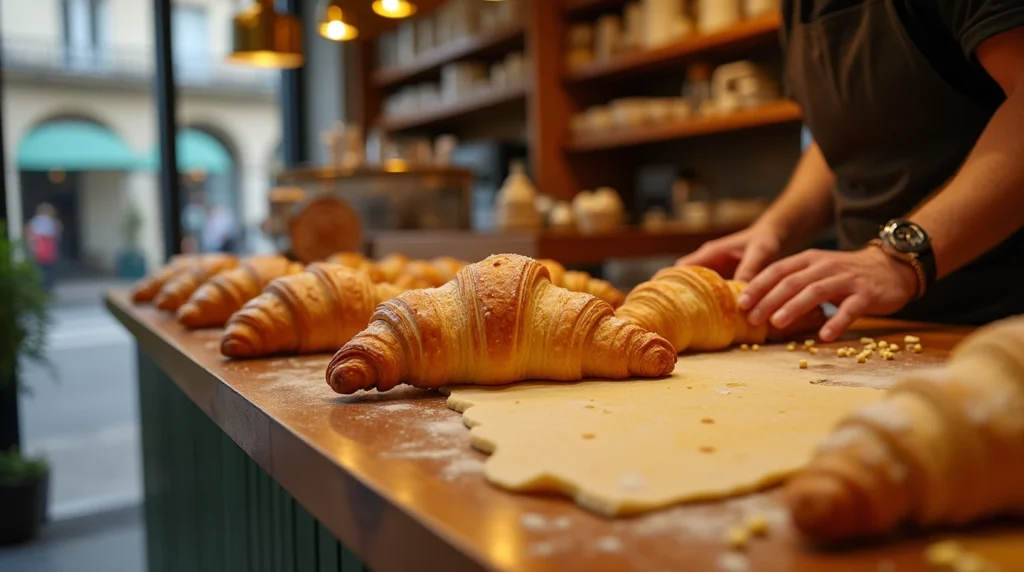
[24, 496]
[131, 263]
[24, 321]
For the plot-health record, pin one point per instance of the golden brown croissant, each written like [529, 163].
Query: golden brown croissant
[945, 447]
[147, 288]
[693, 308]
[357, 261]
[313, 311]
[499, 321]
[447, 267]
[583, 282]
[420, 272]
[392, 266]
[213, 303]
[180, 287]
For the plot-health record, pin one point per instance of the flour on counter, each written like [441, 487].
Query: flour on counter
[609, 544]
[462, 467]
[397, 407]
[733, 562]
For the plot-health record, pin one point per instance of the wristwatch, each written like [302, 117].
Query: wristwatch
[909, 243]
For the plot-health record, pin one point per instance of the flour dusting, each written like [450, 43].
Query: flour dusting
[733, 562]
[391, 407]
[704, 521]
[543, 549]
[609, 544]
[462, 467]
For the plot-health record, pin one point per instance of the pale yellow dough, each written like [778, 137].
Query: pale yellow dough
[722, 425]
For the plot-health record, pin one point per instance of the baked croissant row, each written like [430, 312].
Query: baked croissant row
[582, 282]
[217, 299]
[694, 308]
[182, 285]
[358, 262]
[148, 287]
[499, 321]
[945, 447]
[314, 311]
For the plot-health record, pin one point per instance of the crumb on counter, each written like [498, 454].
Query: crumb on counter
[803, 364]
[911, 339]
[813, 350]
[755, 347]
[867, 341]
[744, 347]
[757, 525]
[791, 346]
[736, 537]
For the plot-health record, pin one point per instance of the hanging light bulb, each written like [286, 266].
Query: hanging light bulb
[333, 25]
[394, 8]
[265, 39]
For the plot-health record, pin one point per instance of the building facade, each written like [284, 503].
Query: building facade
[80, 126]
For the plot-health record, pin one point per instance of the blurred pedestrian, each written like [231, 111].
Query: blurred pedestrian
[43, 232]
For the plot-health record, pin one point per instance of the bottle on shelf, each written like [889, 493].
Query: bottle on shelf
[516, 201]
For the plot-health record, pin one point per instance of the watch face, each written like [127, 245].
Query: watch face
[907, 237]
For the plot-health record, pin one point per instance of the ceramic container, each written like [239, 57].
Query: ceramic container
[758, 8]
[561, 216]
[662, 22]
[629, 112]
[716, 15]
[515, 207]
[607, 36]
[633, 26]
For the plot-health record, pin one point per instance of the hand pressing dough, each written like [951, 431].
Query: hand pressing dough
[721, 425]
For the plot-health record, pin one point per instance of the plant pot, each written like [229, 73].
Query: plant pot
[24, 507]
[131, 265]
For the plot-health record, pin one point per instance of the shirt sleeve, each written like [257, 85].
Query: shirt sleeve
[973, 21]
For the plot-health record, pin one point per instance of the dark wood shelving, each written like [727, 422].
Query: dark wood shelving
[740, 36]
[769, 114]
[485, 100]
[582, 7]
[431, 60]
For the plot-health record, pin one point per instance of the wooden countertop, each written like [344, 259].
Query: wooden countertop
[393, 476]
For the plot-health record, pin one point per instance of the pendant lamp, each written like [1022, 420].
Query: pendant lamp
[333, 25]
[263, 38]
[394, 8]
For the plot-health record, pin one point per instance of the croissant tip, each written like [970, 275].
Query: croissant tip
[234, 346]
[189, 315]
[818, 507]
[350, 374]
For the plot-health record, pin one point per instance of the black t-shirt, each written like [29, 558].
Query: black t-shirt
[947, 31]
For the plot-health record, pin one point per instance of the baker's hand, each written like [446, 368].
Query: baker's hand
[740, 255]
[861, 283]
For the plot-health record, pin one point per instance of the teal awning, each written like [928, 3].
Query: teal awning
[197, 151]
[73, 145]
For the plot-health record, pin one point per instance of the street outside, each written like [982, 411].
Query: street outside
[85, 418]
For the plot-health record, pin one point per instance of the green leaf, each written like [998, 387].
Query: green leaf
[24, 309]
[16, 469]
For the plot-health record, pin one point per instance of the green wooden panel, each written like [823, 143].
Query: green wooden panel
[209, 506]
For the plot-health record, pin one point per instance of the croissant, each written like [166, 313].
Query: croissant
[582, 282]
[357, 261]
[391, 266]
[945, 447]
[180, 287]
[313, 311]
[213, 303]
[421, 272]
[147, 288]
[499, 321]
[692, 307]
[447, 267]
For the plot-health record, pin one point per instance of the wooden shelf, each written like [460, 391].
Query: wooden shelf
[769, 114]
[742, 35]
[483, 101]
[429, 61]
[580, 7]
[565, 247]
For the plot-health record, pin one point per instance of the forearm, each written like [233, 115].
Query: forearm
[984, 203]
[805, 206]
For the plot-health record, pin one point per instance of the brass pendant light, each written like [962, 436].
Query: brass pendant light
[394, 8]
[333, 25]
[263, 38]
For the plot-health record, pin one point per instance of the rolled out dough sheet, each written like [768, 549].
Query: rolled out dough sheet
[721, 425]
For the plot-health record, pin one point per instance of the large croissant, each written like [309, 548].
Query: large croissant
[181, 286]
[499, 321]
[213, 303]
[582, 282]
[946, 447]
[392, 266]
[314, 311]
[148, 287]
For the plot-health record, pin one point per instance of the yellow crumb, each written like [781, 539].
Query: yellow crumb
[803, 364]
[911, 339]
[888, 356]
[744, 347]
[841, 352]
[791, 346]
[813, 350]
[862, 358]
[942, 554]
[871, 346]
[755, 347]
[808, 343]
[866, 341]
[737, 537]
[894, 348]
[883, 344]
[757, 525]
[589, 436]
[917, 348]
